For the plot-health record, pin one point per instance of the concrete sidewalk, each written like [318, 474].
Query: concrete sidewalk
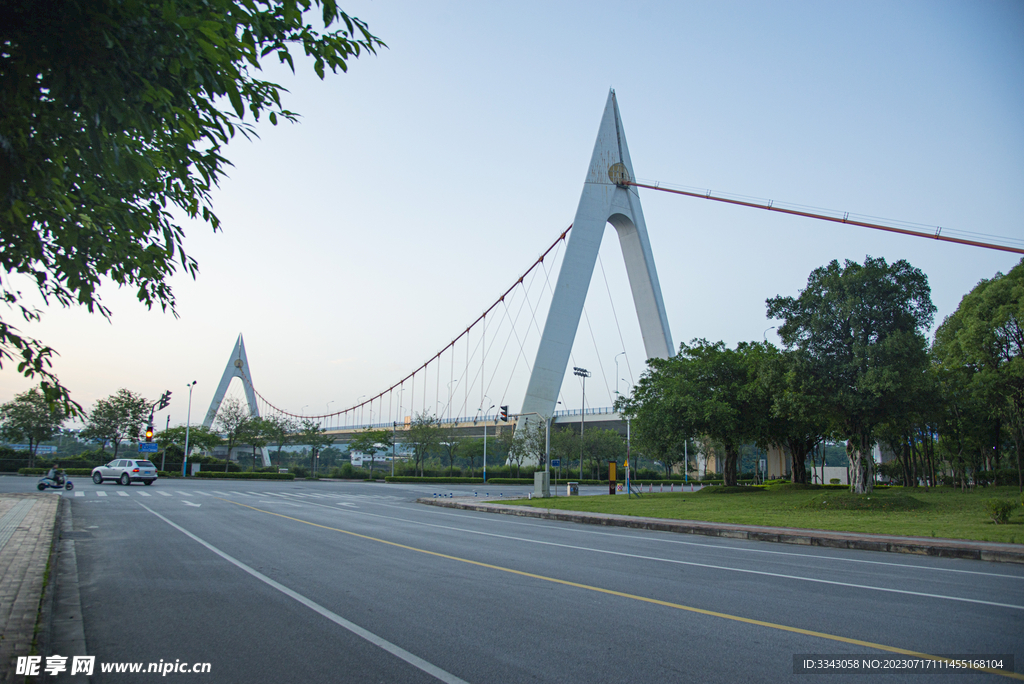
[28, 524]
[922, 546]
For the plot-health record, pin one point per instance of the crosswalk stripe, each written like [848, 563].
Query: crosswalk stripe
[217, 491]
[122, 493]
[178, 491]
[204, 493]
[163, 493]
[145, 494]
[101, 493]
[79, 494]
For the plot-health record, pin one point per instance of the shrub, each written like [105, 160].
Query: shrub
[834, 480]
[1000, 510]
[244, 476]
[730, 490]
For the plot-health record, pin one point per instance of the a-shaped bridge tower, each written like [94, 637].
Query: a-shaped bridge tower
[605, 199]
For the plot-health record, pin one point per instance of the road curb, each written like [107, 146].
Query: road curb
[952, 548]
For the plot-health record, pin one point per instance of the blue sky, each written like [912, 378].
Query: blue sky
[422, 183]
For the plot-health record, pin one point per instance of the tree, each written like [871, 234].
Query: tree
[232, 420]
[30, 418]
[279, 430]
[704, 390]
[985, 338]
[791, 419]
[199, 437]
[257, 434]
[450, 444]
[115, 115]
[527, 442]
[424, 436]
[858, 330]
[371, 443]
[315, 436]
[118, 417]
[603, 446]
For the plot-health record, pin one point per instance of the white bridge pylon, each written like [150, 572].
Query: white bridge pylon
[605, 199]
[237, 367]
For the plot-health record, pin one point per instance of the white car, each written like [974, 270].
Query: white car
[126, 471]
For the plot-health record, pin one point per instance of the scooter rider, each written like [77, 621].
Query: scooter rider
[56, 474]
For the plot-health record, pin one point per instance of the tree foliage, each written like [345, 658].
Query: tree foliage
[315, 436]
[232, 419]
[371, 443]
[858, 330]
[705, 389]
[118, 417]
[424, 436]
[30, 418]
[115, 115]
[982, 345]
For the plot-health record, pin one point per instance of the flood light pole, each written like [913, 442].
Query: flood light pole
[582, 373]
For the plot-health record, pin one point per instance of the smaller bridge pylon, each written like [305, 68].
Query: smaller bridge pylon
[237, 367]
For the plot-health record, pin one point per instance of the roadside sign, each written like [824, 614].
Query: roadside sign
[556, 462]
[148, 447]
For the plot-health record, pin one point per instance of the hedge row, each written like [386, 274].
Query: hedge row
[245, 476]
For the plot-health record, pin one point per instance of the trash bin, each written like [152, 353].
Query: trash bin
[573, 489]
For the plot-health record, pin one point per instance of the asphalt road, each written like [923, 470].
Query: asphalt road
[353, 582]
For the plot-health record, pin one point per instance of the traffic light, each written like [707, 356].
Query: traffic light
[165, 399]
[149, 433]
[504, 414]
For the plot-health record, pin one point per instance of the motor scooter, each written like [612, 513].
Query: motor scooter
[56, 482]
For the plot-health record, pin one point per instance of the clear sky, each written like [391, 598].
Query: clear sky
[422, 183]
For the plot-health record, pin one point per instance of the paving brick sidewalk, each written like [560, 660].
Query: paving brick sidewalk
[27, 526]
[924, 546]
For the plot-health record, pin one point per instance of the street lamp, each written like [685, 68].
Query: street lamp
[617, 373]
[188, 419]
[582, 373]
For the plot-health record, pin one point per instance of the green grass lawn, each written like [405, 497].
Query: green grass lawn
[940, 512]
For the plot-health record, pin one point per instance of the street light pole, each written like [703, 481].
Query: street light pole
[617, 373]
[582, 373]
[188, 420]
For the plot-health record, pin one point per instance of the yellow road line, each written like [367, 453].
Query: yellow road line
[644, 599]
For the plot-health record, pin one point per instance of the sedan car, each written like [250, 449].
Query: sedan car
[125, 471]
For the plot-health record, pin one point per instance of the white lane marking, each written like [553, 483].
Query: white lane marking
[189, 503]
[79, 494]
[122, 493]
[204, 493]
[145, 494]
[163, 493]
[178, 491]
[695, 564]
[101, 493]
[380, 642]
[639, 537]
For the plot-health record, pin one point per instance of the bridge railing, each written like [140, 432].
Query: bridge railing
[479, 419]
[596, 411]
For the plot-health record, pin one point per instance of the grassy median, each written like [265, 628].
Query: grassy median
[940, 512]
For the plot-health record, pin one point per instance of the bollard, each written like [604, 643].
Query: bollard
[671, 487]
[691, 486]
[662, 490]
